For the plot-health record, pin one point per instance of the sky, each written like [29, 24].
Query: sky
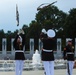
[27, 11]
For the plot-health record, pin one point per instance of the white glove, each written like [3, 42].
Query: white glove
[22, 32]
[19, 31]
[43, 31]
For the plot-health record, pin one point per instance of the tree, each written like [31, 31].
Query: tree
[25, 28]
[70, 25]
[2, 35]
[34, 32]
[51, 17]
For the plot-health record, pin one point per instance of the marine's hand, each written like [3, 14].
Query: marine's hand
[22, 32]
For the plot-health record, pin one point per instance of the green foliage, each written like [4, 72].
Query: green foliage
[70, 24]
[34, 32]
[51, 17]
[48, 18]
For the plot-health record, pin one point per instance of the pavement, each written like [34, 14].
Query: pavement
[37, 72]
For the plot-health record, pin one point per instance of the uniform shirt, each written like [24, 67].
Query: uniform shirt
[19, 55]
[48, 44]
[16, 45]
[69, 53]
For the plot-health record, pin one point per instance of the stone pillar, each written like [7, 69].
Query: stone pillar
[75, 47]
[12, 48]
[59, 53]
[31, 46]
[40, 46]
[4, 46]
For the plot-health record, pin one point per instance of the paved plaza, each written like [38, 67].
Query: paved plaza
[38, 72]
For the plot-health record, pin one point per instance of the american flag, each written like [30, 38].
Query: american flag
[17, 15]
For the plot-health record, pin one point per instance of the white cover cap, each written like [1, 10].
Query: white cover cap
[51, 33]
[20, 38]
[69, 40]
[43, 31]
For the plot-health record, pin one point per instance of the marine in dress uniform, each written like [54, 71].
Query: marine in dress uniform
[47, 54]
[69, 56]
[18, 44]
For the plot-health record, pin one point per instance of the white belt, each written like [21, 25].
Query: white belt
[70, 53]
[47, 50]
[19, 51]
